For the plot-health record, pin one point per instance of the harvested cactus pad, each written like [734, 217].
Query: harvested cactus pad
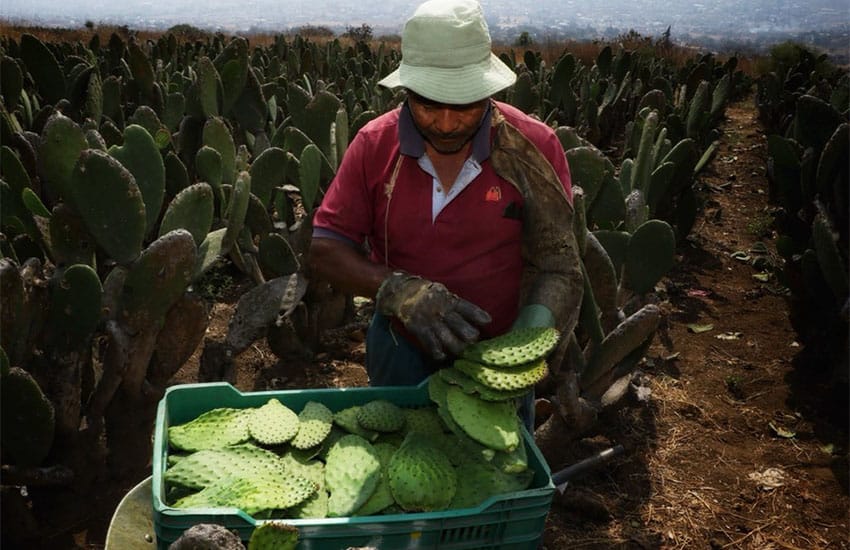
[314, 470]
[514, 348]
[421, 477]
[347, 420]
[335, 435]
[512, 462]
[314, 424]
[491, 423]
[478, 481]
[273, 424]
[425, 420]
[380, 416]
[392, 438]
[211, 430]
[352, 472]
[315, 507]
[382, 497]
[208, 467]
[274, 535]
[459, 450]
[515, 378]
[472, 386]
[252, 494]
[468, 448]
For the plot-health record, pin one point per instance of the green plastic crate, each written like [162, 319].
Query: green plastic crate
[510, 521]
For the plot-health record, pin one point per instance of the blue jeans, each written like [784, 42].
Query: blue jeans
[392, 360]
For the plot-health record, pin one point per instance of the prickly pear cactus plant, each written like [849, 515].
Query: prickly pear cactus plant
[810, 185]
[110, 203]
[111, 151]
[191, 209]
[28, 420]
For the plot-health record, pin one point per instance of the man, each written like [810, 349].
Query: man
[464, 204]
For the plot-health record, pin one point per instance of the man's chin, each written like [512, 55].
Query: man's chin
[447, 147]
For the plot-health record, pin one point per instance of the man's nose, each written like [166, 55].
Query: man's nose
[446, 120]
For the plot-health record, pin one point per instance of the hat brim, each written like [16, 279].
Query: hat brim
[454, 86]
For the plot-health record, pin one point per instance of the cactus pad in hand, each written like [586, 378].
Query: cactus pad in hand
[472, 386]
[515, 378]
[514, 348]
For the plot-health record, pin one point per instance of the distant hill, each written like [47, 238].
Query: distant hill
[719, 24]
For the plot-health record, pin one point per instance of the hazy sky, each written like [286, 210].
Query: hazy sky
[242, 14]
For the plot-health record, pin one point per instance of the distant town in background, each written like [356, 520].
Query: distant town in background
[720, 25]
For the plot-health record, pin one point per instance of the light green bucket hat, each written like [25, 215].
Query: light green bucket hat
[446, 54]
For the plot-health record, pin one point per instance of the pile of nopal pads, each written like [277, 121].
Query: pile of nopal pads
[374, 458]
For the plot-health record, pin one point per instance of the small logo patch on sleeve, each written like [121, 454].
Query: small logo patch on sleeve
[494, 194]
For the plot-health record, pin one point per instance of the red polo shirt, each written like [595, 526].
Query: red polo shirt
[473, 246]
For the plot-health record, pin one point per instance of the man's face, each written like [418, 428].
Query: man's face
[447, 128]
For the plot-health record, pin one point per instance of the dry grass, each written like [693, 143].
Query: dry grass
[55, 34]
[697, 507]
[183, 33]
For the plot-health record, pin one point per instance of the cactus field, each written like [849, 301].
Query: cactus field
[156, 198]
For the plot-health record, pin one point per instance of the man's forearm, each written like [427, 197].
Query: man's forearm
[346, 268]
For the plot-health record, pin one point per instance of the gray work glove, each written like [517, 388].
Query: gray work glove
[440, 320]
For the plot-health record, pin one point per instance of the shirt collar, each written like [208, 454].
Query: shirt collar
[412, 144]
